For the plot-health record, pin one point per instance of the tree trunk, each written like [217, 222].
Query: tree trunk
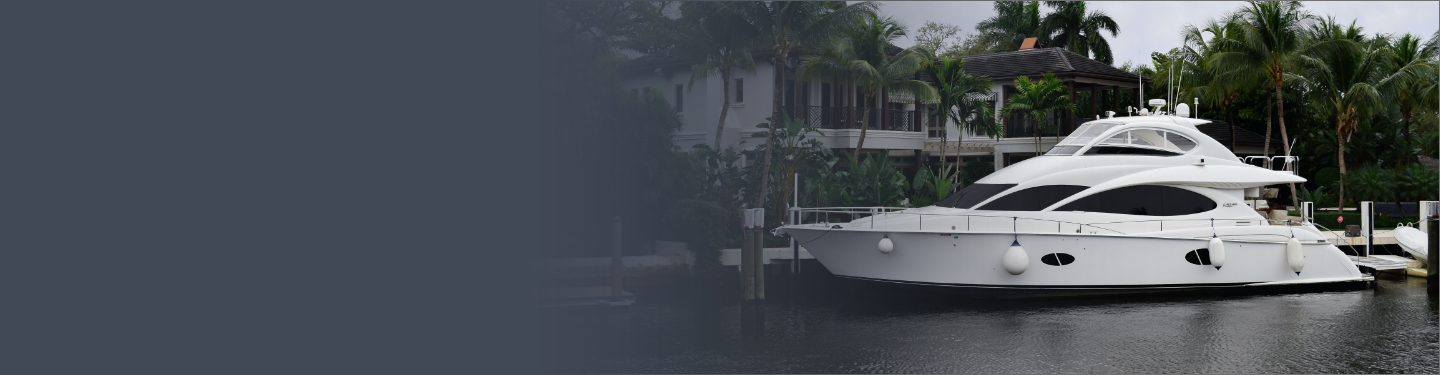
[1269, 113]
[1035, 129]
[724, 107]
[849, 106]
[1230, 118]
[1285, 139]
[863, 125]
[778, 86]
[1340, 160]
[1405, 159]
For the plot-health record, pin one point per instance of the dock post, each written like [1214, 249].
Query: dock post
[616, 265]
[795, 220]
[1367, 224]
[759, 261]
[747, 267]
[1430, 266]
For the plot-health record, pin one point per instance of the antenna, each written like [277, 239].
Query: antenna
[1170, 82]
[1179, 84]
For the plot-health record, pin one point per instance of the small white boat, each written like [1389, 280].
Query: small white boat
[1413, 241]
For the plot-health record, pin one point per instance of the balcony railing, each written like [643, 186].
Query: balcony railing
[839, 118]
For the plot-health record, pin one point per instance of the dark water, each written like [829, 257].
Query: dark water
[827, 327]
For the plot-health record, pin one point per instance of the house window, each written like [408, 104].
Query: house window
[789, 93]
[679, 98]
[739, 90]
[1149, 200]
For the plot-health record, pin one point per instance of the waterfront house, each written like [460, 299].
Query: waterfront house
[895, 125]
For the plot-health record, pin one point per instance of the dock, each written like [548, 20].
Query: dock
[1382, 237]
[1381, 262]
[731, 257]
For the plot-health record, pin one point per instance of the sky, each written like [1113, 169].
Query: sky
[1155, 25]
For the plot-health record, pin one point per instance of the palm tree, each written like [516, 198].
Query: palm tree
[1269, 41]
[1037, 100]
[1349, 81]
[860, 55]
[1411, 94]
[1197, 53]
[788, 25]
[723, 41]
[1013, 22]
[961, 98]
[1071, 27]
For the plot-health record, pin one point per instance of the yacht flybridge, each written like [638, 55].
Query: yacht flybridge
[1129, 204]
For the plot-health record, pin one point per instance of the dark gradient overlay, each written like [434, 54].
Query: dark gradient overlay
[270, 187]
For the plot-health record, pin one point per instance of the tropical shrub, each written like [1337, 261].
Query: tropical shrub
[702, 225]
[976, 170]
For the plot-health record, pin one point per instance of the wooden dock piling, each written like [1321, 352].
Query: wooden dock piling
[1431, 269]
[759, 256]
[747, 266]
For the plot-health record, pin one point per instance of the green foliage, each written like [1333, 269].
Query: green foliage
[1070, 26]
[703, 226]
[1320, 196]
[976, 170]
[1370, 183]
[1429, 142]
[1326, 177]
[794, 152]
[1330, 220]
[931, 187]
[716, 175]
[1037, 100]
[872, 182]
[936, 36]
[1417, 183]
[859, 54]
[1012, 23]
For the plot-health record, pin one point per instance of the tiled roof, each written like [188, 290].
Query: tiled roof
[1033, 62]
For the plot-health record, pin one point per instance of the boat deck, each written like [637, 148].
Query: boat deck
[1381, 262]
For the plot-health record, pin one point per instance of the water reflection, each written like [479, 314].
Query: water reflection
[827, 329]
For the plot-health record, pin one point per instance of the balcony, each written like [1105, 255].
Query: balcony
[901, 132]
[838, 118]
[1024, 127]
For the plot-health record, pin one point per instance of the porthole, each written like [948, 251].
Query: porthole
[1057, 259]
[1198, 257]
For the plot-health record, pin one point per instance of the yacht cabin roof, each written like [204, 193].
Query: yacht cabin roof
[1110, 154]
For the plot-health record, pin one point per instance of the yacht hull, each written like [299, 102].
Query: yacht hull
[1102, 264]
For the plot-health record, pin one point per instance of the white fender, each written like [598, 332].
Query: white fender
[1217, 252]
[886, 246]
[1295, 255]
[1016, 261]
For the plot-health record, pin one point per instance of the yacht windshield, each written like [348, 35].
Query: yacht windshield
[1087, 132]
[1143, 142]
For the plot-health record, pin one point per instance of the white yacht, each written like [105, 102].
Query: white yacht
[1128, 204]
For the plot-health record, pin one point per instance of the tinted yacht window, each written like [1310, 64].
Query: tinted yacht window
[972, 194]
[1150, 200]
[1032, 199]
[1121, 150]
